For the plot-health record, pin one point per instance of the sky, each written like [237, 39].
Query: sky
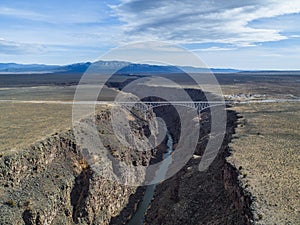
[243, 34]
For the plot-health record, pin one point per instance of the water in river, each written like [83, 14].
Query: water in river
[138, 217]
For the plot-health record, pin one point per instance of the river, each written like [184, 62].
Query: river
[138, 217]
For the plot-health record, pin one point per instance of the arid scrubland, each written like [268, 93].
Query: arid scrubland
[266, 152]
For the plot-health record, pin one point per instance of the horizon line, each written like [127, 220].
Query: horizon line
[208, 68]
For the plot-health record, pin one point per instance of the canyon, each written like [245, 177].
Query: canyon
[51, 182]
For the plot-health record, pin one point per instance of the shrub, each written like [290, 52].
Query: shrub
[10, 203]
[27, 202]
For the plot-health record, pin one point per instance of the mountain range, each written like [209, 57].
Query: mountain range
[106, 66]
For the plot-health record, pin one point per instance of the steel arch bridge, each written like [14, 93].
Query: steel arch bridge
[199, 106]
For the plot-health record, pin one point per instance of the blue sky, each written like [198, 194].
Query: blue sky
[256, 34]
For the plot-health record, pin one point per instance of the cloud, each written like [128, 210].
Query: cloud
[14, 48]
[294, 36]
[213, 48]
[55, 12]
[20, 13]
[190, 21]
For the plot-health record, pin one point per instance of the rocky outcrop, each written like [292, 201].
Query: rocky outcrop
[52, 183]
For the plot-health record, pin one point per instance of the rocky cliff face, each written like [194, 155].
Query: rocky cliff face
[210, 197]
[51, 182]
[241, 199]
